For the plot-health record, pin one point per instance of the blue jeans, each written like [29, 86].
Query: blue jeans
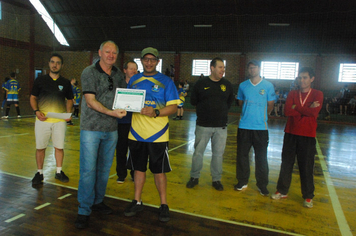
[218, 137]
[97, 151]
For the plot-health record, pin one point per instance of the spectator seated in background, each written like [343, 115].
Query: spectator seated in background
[352, 103]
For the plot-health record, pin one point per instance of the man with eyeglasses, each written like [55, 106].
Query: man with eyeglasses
[98, 132]
[149, 134]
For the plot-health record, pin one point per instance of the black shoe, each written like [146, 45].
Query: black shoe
[133, 208]
[62, 177]
[81, 222]
[37, 179]
[263, 191]
[181, 117]
[239, 186]
[176, 118]
[120, 180]
[192, 182]
[218, 186]
[70, 123]
[164, 213]
[102, 208]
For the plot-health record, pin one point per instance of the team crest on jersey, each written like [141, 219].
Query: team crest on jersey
[60, 87]
[155, 88]
[262, 92]
[223, 87]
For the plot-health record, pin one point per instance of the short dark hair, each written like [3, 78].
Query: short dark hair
[307, 69]
[130, 61]
[12, 74]
[213, 62]
[56, 55]
[181, 84]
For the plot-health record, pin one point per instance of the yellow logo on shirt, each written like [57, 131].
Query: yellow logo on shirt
[223, 87]
[205, 88]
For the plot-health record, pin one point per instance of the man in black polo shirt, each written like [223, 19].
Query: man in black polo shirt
[49, 94]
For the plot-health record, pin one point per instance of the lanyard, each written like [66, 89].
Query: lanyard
[305, 99]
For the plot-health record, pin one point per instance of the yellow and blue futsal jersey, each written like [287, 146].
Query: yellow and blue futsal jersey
[160, 92]
[12, 87]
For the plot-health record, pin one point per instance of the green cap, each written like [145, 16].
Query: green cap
[149, 50]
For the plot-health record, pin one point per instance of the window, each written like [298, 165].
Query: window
[49, 21]
[279, 70]
[140, 67]
[347, 72]
[202, 67]
[0, 11]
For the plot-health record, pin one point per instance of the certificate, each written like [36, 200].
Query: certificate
[129, 99]
[59, 115]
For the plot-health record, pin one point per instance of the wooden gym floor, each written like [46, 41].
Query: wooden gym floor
[52, 208]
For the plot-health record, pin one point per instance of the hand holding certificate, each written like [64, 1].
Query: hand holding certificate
[129, 99]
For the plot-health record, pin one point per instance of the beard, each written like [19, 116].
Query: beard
[55, 72]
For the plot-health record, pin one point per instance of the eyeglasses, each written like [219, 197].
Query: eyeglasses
[111, 86]
[146, 59]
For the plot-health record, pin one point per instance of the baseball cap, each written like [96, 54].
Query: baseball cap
[254, 62]
[149, 50]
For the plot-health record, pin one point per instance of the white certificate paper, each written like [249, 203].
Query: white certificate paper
[129, 99]
[63, 116]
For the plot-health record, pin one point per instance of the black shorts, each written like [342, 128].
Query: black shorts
[156, 153]
[8, 103]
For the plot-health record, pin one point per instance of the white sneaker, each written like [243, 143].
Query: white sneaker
[4, 117]
[308, 203]
[18, 116]
[277, 195]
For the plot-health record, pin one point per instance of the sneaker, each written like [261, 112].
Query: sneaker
[18, 116]
[308, 203]
[37, 179]
[263, 191]
[192, 182]
[239, 187]
[181, 117]
[164, 213]
[62, 177]
[277, 195]
[120, 180]
[102, 208]
[133, 208]
[81, 222]
[70, 123]
[4, 117]
[176, 118]
[218, 186]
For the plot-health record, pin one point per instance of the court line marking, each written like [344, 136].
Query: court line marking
[339, 213]
[14, 218]
[64, 196]
[13, 135]
[178, 211]
[42, 206]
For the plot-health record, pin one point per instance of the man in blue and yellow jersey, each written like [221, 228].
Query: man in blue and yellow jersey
[51, 93]
[12, 88]
[149, 132]
[256, 97]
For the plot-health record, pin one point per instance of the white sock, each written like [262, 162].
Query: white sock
[139, 203]
[40, 171]
[59, 169]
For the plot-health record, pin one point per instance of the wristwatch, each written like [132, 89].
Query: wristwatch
[35, 111]
[157, 112]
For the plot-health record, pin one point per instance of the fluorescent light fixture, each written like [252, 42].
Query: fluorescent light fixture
[203, 26]
[137, 26]
[49, 21]
[278, 24]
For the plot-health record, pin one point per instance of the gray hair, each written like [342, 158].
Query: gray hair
[109, 41]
